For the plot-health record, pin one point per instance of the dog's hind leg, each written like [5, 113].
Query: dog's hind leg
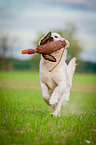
[45, 93]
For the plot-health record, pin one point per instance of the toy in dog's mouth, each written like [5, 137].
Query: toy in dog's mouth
[46, 47]
[46, 39]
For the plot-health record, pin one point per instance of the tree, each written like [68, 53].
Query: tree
[3, 49]
[6, 47]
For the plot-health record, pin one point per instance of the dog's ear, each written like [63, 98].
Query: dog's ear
[49, 57]
[45, 38]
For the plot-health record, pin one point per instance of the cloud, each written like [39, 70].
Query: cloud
[75, 4]
[73, 1]
[88, 55]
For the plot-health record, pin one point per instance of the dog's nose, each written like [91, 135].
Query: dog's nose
[50, 39]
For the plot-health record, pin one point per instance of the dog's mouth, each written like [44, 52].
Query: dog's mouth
[47, 39]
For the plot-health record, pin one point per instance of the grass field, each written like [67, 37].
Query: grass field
[24, 117]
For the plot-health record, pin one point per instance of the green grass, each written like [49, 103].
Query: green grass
[19, 75]
[24, 117]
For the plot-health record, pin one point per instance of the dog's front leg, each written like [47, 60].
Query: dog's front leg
[45, 93]
[57, 107]
[58, 91]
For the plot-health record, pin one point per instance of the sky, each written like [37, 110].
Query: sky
[24, 20]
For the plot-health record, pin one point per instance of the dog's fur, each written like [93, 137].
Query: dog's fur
[56, 84]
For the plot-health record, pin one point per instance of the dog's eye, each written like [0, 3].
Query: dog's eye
[56, 36]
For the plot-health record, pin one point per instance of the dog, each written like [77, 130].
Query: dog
[56, 84]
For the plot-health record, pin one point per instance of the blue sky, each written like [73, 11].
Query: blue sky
[24, 19]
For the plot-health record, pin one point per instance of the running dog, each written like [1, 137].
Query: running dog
[57, 82]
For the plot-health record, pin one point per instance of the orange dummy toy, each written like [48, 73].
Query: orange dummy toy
[46, 47]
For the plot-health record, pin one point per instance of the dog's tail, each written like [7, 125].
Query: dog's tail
[72, 65]
[70, 71]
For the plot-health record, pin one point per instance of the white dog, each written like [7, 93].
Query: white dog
[56, 84]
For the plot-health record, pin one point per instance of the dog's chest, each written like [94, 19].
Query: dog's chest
[48, 79]
[53, 78]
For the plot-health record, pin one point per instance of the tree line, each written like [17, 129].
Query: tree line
[9, 63]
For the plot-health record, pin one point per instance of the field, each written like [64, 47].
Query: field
[25, 120]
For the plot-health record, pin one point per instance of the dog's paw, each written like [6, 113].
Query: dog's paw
[52, 114]
[53, 101]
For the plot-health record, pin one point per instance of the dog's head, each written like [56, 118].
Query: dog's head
[52, 37]
[55, 37]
